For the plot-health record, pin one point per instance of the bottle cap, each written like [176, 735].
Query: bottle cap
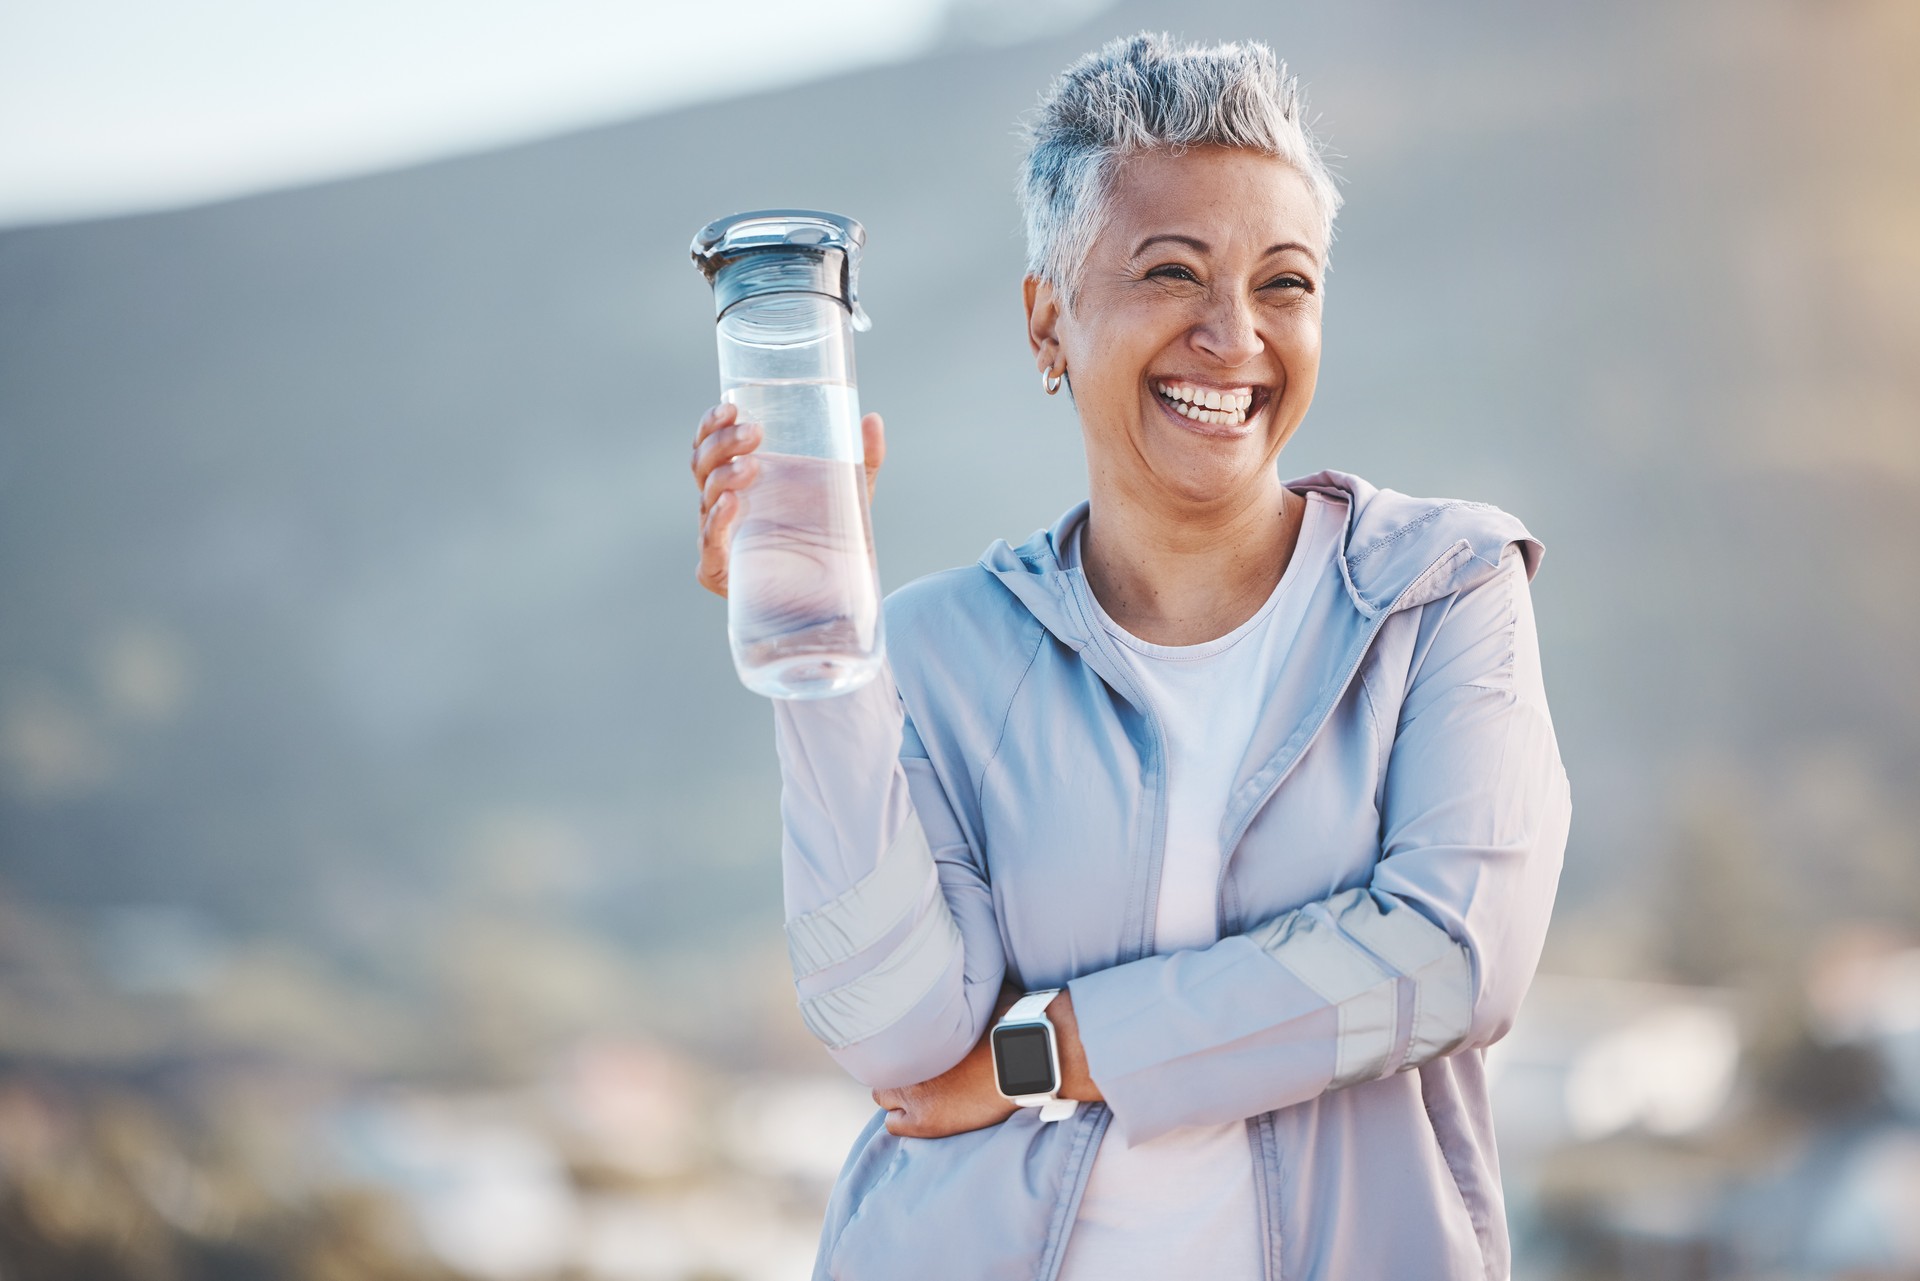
[782, 251]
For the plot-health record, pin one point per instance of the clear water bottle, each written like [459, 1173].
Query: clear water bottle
[803, 591]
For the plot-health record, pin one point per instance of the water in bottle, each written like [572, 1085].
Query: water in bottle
[803, 606]
[803, 597]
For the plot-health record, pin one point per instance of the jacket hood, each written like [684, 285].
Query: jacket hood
[1396, 551]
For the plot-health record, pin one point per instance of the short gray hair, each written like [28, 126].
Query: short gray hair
[1140, 93]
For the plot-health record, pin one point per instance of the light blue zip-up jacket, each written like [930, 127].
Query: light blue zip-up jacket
[998, 809]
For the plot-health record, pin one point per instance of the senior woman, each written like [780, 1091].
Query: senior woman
[1259, 776]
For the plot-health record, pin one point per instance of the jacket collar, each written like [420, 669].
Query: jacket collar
[1396, 552]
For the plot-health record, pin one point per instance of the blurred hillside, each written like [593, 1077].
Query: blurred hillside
[346, 535]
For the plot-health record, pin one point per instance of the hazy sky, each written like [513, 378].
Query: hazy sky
[110, 106]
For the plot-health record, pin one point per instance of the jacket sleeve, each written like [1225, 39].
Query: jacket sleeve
[1431, 956]
[889, 918]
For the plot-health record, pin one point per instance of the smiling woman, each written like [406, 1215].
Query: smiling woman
[1195, 328]
[1233, 805]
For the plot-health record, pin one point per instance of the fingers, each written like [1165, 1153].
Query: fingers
[873, 443]
[895, 1105]
[719, 441]
[716, 533]
[736, 473]
[722, 469]
[898, 1122]
[710, 422]
[713, 420]
[721, 503]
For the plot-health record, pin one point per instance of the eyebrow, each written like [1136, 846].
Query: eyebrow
[1202, 247]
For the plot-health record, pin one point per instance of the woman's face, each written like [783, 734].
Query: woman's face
[1194, 343]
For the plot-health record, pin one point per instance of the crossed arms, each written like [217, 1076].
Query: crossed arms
[898, 958]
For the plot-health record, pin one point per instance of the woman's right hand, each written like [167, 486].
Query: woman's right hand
[723, 468]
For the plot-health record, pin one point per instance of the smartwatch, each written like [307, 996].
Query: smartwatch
[1026, 1061]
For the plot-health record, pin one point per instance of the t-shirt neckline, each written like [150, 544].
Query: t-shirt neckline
[1306, 549]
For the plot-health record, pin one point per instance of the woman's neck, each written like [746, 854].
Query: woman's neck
[1175, 577]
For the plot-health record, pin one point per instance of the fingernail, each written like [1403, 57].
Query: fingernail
[749, 431]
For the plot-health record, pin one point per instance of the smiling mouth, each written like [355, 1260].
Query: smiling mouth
[1212, 406]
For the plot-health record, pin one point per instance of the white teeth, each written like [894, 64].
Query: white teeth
[1206, 405]
[1215, 416]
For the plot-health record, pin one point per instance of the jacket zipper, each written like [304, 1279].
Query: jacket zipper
[1361, 648]
[1260, 1140]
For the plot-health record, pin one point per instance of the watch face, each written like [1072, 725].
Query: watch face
[1022, 1061]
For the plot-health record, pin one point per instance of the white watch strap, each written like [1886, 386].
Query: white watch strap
[1030, 1005]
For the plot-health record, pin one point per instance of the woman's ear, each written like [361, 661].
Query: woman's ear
[1043, 322]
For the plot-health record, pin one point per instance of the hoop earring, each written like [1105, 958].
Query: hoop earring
[1051, 381]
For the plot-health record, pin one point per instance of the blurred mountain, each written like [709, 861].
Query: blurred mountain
[346, 537]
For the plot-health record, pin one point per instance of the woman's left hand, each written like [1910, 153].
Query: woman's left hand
[964, 1097]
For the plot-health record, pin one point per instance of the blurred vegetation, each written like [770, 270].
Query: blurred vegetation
[106, 1182]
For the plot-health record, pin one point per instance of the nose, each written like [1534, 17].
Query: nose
[1227, 333]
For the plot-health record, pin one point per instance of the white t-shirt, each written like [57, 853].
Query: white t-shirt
[1184, 1204]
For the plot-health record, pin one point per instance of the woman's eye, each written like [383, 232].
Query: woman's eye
[1291, 282]
[1171, 271]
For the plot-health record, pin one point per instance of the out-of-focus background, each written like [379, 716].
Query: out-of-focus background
[388, 855]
